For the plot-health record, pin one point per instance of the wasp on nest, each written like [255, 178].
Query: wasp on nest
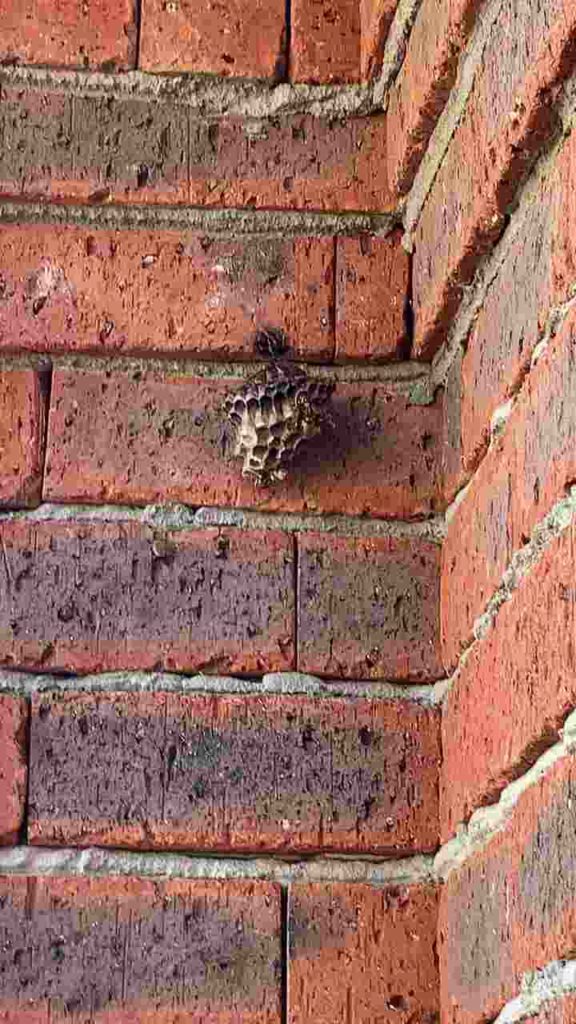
[274, 412]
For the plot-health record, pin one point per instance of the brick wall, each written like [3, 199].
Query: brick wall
[299, 752]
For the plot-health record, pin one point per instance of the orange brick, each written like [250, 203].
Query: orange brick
[362, 954]
[372, 279]
[376, 17]
[325, 41]
[76, 289]
[13, 767]
[240, 38]
[73, 33]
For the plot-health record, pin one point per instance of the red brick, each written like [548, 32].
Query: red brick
[527, 470]
[325, 41]
[135, 150]
[453, 469]
[22, 423]
[234, 773]
[376, 17]
[510, 909]
[72, 289]
[372, 278]
[119, 950]
[92, 596]
[147, 435]
[362, 954]
[424, 83]
[368, 607]
[539, 273]
[509, 117]
[512, 695]
[99, 34]
[13, 767]
[241, 38]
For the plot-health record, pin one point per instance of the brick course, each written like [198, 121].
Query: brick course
[242, 38]
[148, 435]
[71, 289]
[13, 767]
[527, 470]
[131, 150]
[510, 909]
[512, 695]
[102, 596]
[362, 953]
[368, 607]
[424, 83]
[114, 949]
[508, 119]
[233, 773]
[539, 273]
[22, 428]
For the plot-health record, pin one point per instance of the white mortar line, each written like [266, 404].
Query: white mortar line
[539, 989]
[274, 684]
[216, 222]
[207, 96]
[395, 49]
[31, 860]
[183, 517]
[488, 821]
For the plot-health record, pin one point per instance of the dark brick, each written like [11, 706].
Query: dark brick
[368, 607]
[90, 596]
[233, 773]
[121, 950]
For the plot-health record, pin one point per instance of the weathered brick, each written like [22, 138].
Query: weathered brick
[233, 773]
[368, 607]
[510, 908]
[95, 148]
[372, 278]
[528, 468]
[241, 38]
[134, 949]
[515, 689]
[424, 83]
[362, 954]
[91, 596]
[13, 767]
[508, 119]
[325, 41]
[99, 34]
[376, 17]
[22, 427]
[454, 473]
[68, 288]
[141, 436]
[134, 150]
[539, 273]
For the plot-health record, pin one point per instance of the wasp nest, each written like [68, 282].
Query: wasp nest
[270, 417]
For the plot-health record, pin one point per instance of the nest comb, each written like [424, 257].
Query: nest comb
[272, 415]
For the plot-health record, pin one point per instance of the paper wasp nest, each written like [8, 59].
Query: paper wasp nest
[270, 417]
